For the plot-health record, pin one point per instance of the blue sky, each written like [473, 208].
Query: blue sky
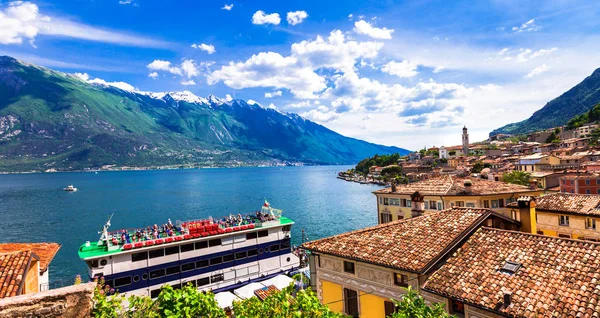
[404, 73]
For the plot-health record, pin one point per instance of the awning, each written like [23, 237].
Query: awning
[225, 299]
[248, 290]
[279, 281]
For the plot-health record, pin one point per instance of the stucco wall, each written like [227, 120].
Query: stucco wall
[68, 302]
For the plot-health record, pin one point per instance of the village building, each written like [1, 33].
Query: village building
[465, 141]
[443, 153]
[580, 183]
[359, 272]
[24, 267]
[545, 179]
[537, 162]
[447, 191]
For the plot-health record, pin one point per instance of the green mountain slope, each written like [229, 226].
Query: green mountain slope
[576, 101]
[49, 119]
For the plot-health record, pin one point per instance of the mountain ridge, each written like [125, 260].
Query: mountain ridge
[557, 112]
[55, 120]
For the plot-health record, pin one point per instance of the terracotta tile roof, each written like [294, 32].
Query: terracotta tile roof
[453, 185]
[45, 251]
[586, 204]
[12, 272]
[557, 278]
[413, 244]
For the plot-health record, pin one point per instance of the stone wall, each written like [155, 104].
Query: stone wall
[69, 302]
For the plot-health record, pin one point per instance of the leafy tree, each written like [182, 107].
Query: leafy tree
[452, 152]
[412, 305]
[391, 171]
[517, 177]
[595, 135]
[477, 167]
[381, 161]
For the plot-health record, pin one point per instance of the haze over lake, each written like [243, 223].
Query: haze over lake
[34, 208]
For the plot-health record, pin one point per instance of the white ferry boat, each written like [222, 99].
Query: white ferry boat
[212, 254]
[70, 188]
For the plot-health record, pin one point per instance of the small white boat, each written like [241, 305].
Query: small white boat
[70, 188]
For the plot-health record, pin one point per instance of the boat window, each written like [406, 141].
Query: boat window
[274, 248]
[215, 242]
[260, 251]
[103, 262]
[93, 263]
[191, 282]
[252, 252]
[216, 278]
[145, 276]
[287, 228]
[263, 233]
[251, 235]
[136, 278]
[172, 250]
[240, 255]
[187, 247]
[285, 245]
[157, 273]
[202, 263]
[216, 260]
[109, 283]
[173, 270]
[135, 257]
[227, 258]
[203, 281]
[157, 253]
[176, 286]
[123, 281]
[187, 267]
[203, 244]
[155, 293]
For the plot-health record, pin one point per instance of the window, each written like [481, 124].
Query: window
[203, 281]
[510, 267]
[274, 248]
[495, 204]
[587, 182]
[172, 250]
[263, 233]
[122, 281]
[563, 181]
[501, 203]
[564, 235]
[228, 258]
[136, 278]
[202, 263]
[252, 252]
[426, 205]
[470, 205]
[386, 201]
[251, 235]
[349, 267]
[240, 255]
[459, 204]
[563, 220]
[590, 224]
[136, 257]
[176, 286]
[200, 245]
[187, 247]
[215, 242]
[433, 205]
[403, 202]
[285, 245]
[389, 308]
[440, 206]
[216, 278]
[540, 232]
[400, 280]
[380, 200]
[187, 267]
[216, 260]
[157, 273]
[157, 253]
[172, 270]
[395, 202]
[588, 191]
[408, 203]
[155, 293]
[386, 217]
[351, 302]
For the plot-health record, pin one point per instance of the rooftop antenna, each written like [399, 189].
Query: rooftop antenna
[104, 232]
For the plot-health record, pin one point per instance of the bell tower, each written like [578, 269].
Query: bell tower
[465, 141]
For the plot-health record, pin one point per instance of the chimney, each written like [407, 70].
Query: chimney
[393, 185]
[533, 184]
[468, 184]
[418, 204]
[527, 214]
[507, 298]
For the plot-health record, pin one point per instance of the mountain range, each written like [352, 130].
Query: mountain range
[55, 120]
[576, 101]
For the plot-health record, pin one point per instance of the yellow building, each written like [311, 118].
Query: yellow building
[568, 215]
[359, 273]
[447, 191]
[537, 162]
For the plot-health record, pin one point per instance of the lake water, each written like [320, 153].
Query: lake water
[34, 208]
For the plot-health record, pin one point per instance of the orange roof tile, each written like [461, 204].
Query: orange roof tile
[453, 185]
[45, 251]
[587, 204]
[12, 272]
[412, 244]
[557, 277]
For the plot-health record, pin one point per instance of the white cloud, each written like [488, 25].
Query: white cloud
[210, 49]
[401, 69]
[272, 106]
[21, 20]
[189, 68]
[227, 7]
[160, 65]
[85, 77]
[350, 16]
[528, 26]
[260, 17]
[82, 76]
[296, 17]
[125, 1]
[153, 75]
[364, 27]
[321, 114]
[490, 87]
[228, 97]
[538, 70]
[273, 94]
[188, 83]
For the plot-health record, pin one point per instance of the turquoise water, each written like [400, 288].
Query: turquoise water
[34, 208]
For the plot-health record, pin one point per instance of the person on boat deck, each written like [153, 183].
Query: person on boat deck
[155, 234]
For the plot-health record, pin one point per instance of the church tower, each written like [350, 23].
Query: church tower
[465, 141]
